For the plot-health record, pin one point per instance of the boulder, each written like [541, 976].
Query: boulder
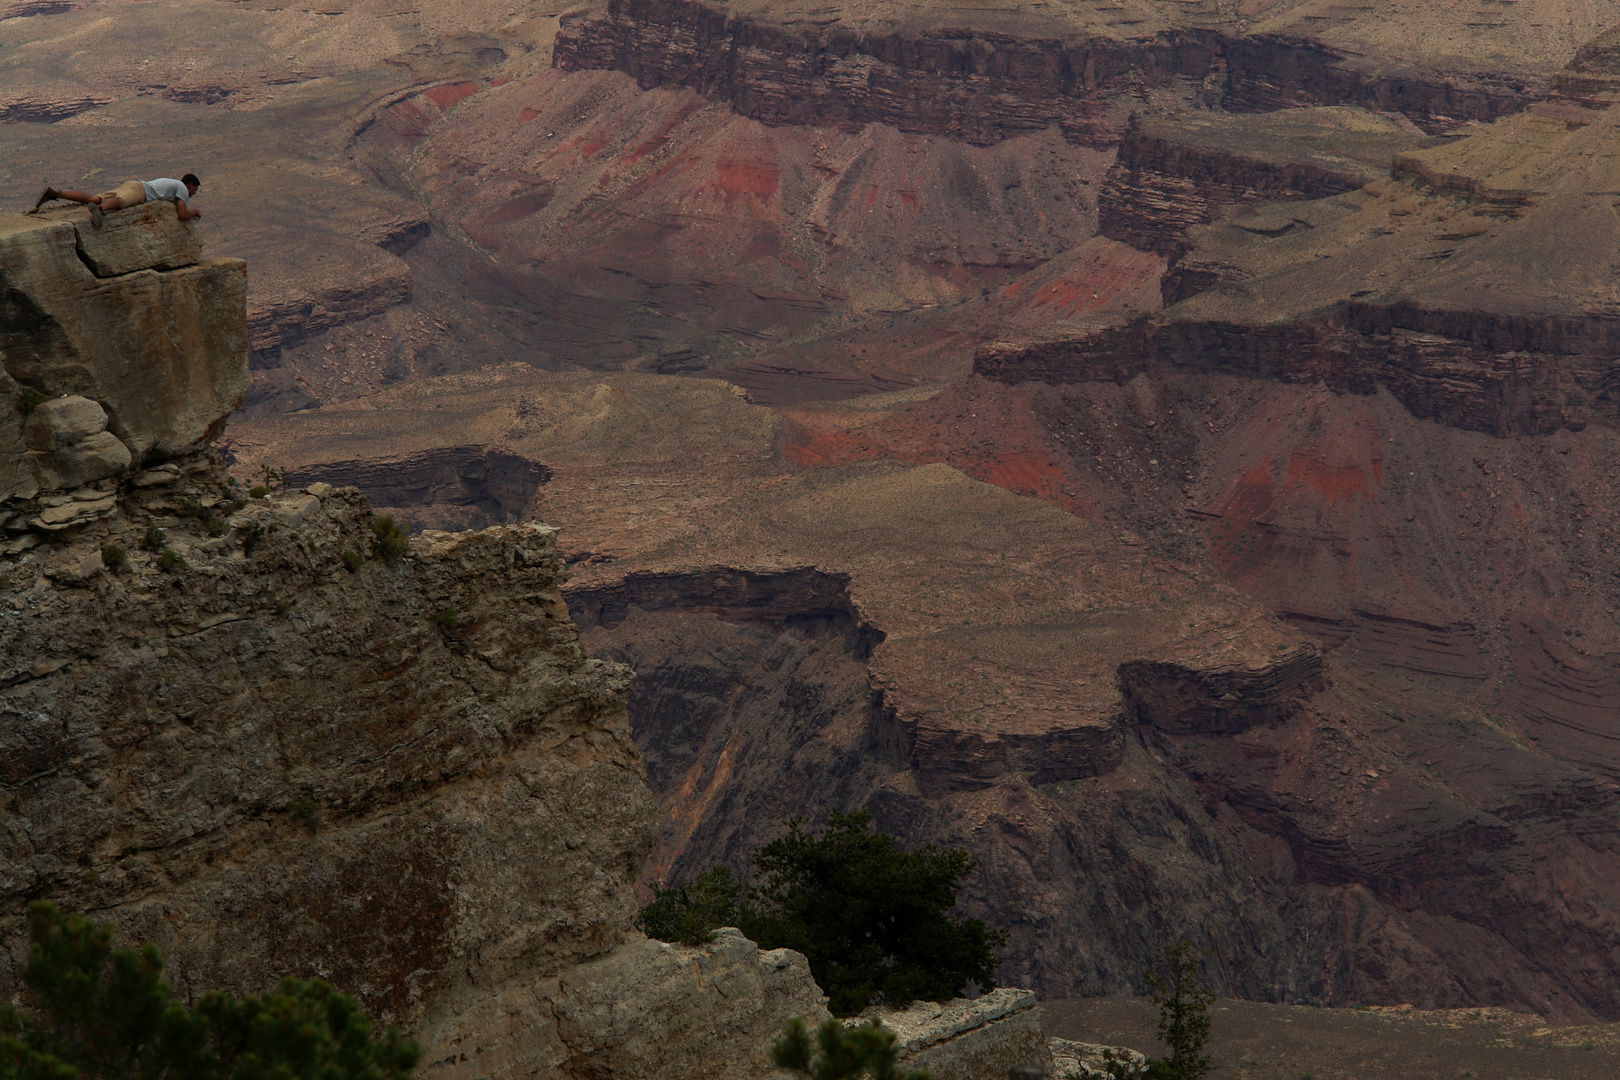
[1066, 1058]
[64, 421]
[163, 349]
[968, 1040]
[146, 237]
[94, 458]
[648, 1010]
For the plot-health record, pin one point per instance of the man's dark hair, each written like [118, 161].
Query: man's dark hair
[191, 178]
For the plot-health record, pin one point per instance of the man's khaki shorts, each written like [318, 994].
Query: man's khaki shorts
[132, 192]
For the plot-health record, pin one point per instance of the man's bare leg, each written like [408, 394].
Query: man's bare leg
[97, 204]
[76, 196]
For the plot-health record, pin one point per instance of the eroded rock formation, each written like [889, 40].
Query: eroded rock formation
[133, 319]
[236, 729]
[457, 487]
[967, 1040]
[1172, 175]
[983, 85]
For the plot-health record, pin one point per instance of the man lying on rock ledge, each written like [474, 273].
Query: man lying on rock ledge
[131, 193]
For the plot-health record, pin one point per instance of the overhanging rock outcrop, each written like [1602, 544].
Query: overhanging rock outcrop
[129, 316]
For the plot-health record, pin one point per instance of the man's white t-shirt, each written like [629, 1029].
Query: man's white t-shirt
[164, 189]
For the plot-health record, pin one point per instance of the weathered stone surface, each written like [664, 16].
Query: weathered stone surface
[67, 515]
[651, 1010]
[1066, 1058]
[164, 351]
[150, 236]
[969, 1040]
[310, 761]
[63, 421]
[94, 458]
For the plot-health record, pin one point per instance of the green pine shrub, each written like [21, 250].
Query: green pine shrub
[839, 1052]
[872, 920]
[393, 539]
[91, 1011]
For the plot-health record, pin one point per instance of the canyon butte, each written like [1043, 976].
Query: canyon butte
[1165, 448]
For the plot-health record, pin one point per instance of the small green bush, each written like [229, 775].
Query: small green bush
[216, 526]
[90, 1011]
[252, 536]
[839, 1052]
[354, 561]
[171, 561]
[114, 558]
[446, 618]
[691, 913]
[392, 539]
[154, 539]
[304, 811]
[258, 491]
[29, 400]
[283, 606]
[1183, 1022]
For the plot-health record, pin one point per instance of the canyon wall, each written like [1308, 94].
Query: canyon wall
[242, 729]
[1160, 187]
[1474, 370]
[982, 86]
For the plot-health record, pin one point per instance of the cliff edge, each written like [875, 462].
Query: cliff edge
[266, 736]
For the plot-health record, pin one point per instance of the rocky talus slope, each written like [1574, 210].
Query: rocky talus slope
[237, 730]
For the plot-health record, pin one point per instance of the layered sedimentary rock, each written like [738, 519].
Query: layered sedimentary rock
[1172, 175]
[1473, 285]
[239, 729]
[982, 85]
[1371, 803]
[457, 487]
[1467, 369]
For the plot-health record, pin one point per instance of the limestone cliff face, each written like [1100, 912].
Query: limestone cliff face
[230, 727]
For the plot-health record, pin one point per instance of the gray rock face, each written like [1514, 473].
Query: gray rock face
[146, 237]
[969, 1040]
[268, 763]
[64, 421]
[161, 346]
[231, 728]
[95, 458]
[648, 1011]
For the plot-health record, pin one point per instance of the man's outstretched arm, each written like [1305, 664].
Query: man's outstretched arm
[184, 212]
